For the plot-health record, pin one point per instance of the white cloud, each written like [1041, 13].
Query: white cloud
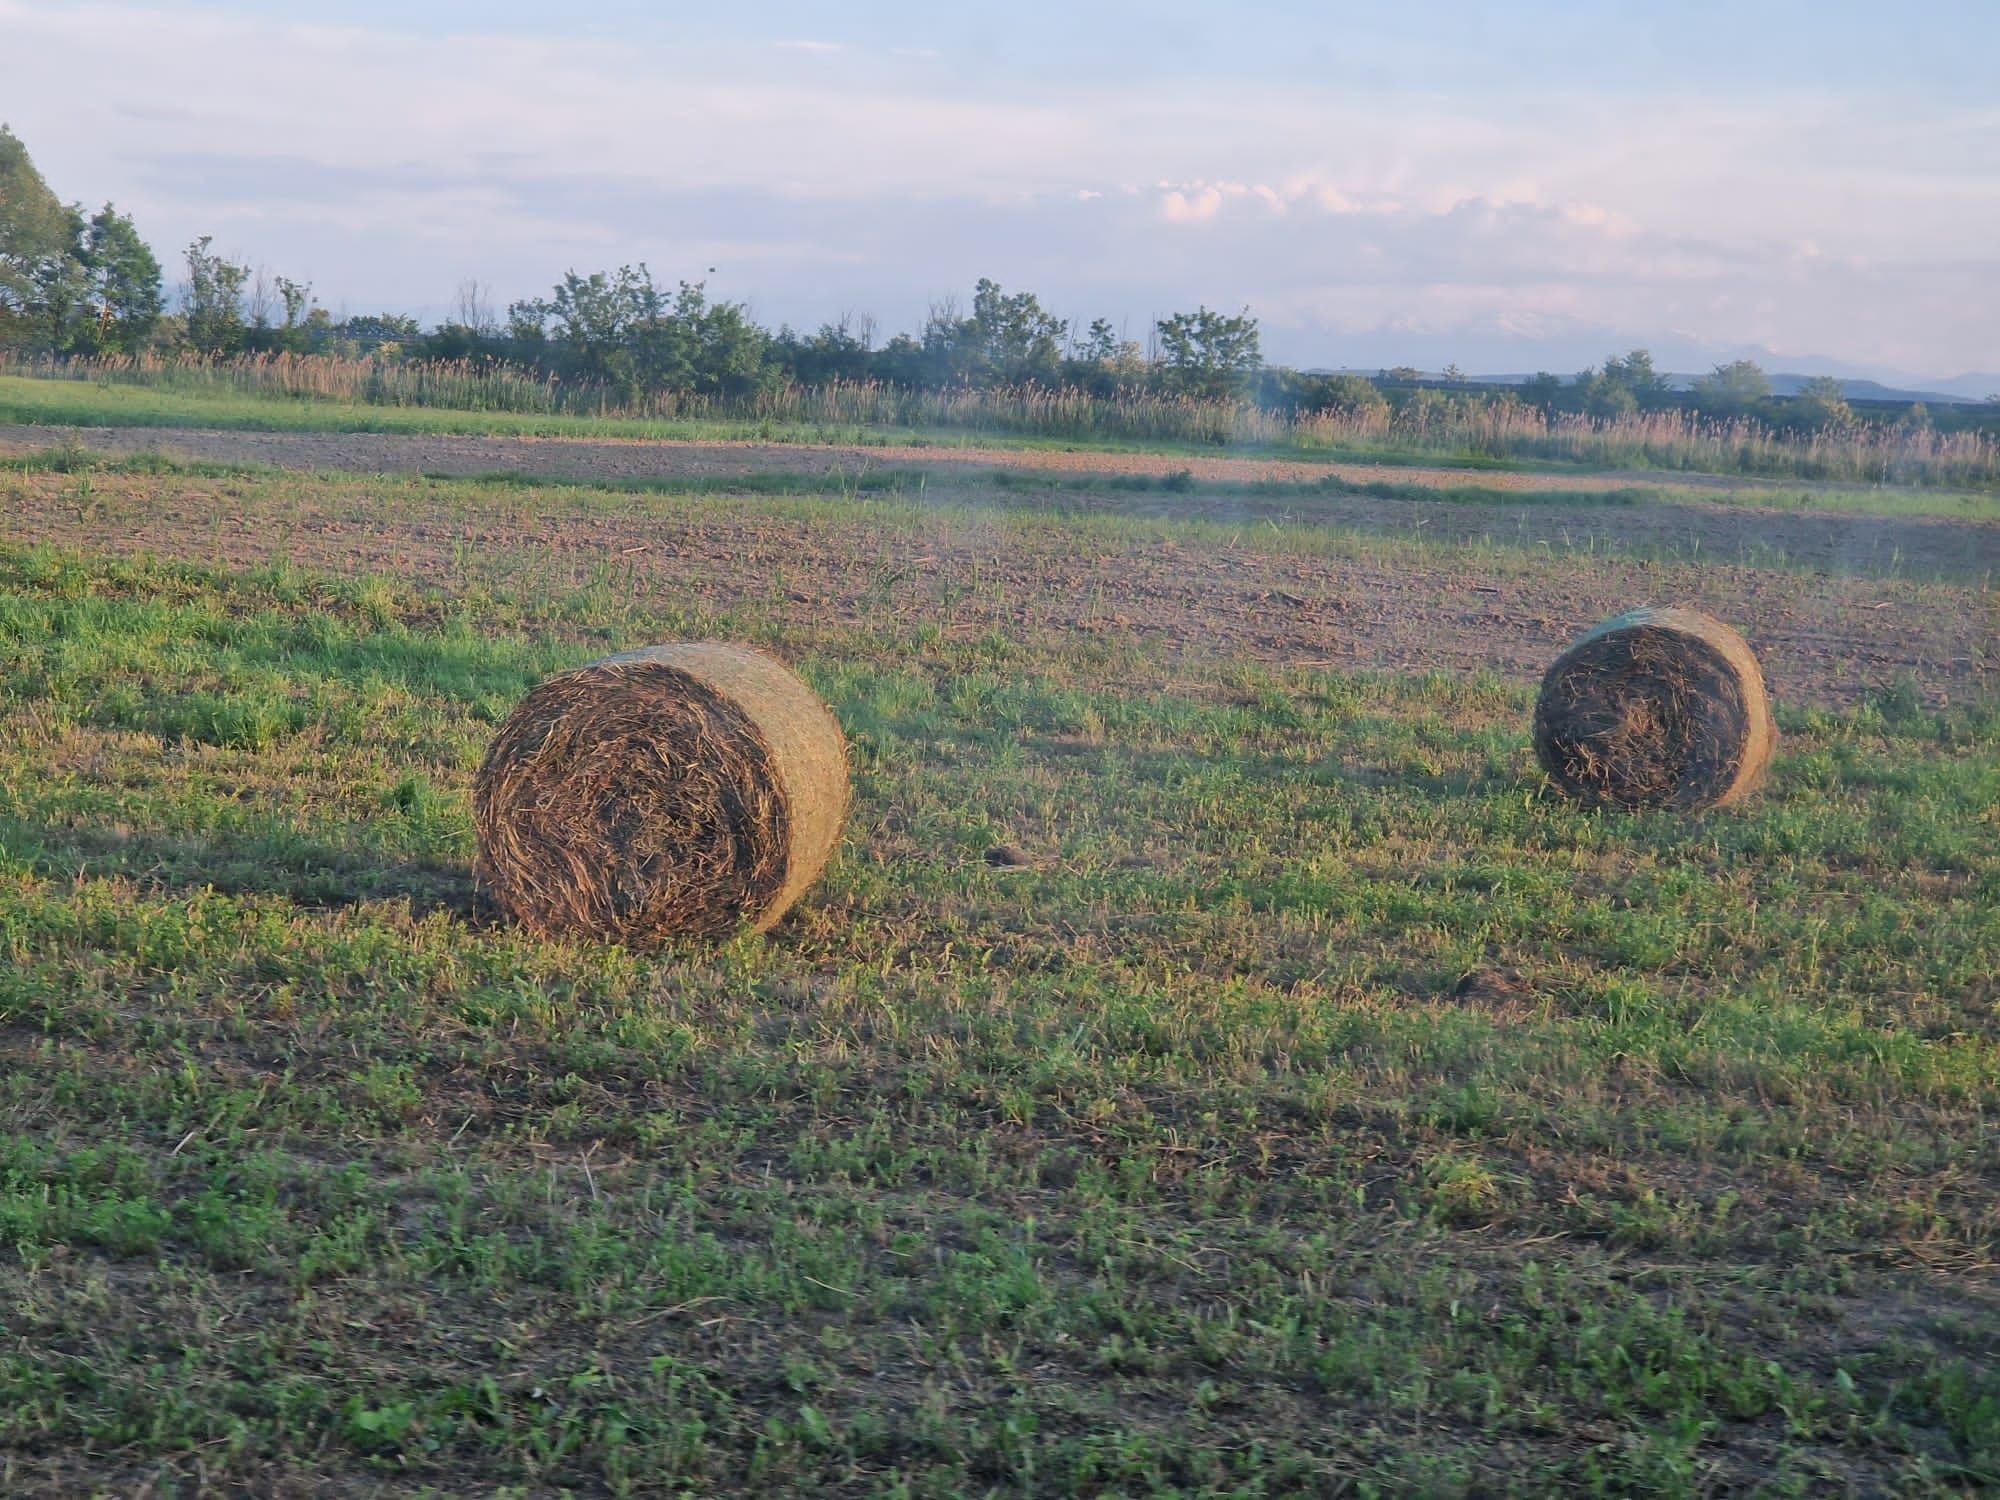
[1192, 207]
[387, 165]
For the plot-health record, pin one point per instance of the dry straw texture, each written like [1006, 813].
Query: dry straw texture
[1657, 708]
[674, 791]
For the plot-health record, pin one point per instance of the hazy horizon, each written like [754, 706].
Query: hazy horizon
[1814, 187]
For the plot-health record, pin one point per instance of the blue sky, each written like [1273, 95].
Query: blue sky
[1505, 186]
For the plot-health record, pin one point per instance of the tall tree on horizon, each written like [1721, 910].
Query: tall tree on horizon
[214, 300]
[123, 283]
[1734, 389]
[1209, 353]
[37, 243]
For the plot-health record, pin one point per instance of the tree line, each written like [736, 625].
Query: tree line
[78, 284]
[72, 284]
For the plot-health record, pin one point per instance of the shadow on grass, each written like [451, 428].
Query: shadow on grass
[309, 873]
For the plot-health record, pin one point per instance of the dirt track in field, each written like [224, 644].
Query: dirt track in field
[639, 459]
[1267, 596]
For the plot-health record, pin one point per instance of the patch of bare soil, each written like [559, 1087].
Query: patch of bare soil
[1872, 546]
[1827, 640]
[615, 459]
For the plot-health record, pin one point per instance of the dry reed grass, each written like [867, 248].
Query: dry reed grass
[1436, 424]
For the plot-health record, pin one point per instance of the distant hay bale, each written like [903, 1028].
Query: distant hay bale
[674, 791]
[1657, 708]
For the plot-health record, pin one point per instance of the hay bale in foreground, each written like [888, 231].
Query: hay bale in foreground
[674, 791]
[1657, 708]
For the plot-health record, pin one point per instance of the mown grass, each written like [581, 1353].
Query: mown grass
[58, 403]
[1328, 1109]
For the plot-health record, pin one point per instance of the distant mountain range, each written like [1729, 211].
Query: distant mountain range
[1976, 387]
[1961, 390]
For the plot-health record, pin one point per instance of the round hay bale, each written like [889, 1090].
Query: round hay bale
[673, 791]
[1657, 708]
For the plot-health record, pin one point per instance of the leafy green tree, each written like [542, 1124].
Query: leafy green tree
[1103, 362]
[1622, 387]
[214, 300]
[41, 282]
[1820, 404]
[1635, 373]
[1014, 336]
[1209, 353]
[1100, 344]
[838, 351]
[1605, 397]
[296, 297]
[1010, 339]
[1735, 389]
[1353, 393]
[590, 320]
[102, 293]
[123, 284]
[316, 334]
[903, 361]
[59, 311]
[627, 333]
[367, 331]
[709, 348]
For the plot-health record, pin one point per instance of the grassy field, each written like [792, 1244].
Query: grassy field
[68, 403]
[73, 403]
[1327, 1109]
[77, 404]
